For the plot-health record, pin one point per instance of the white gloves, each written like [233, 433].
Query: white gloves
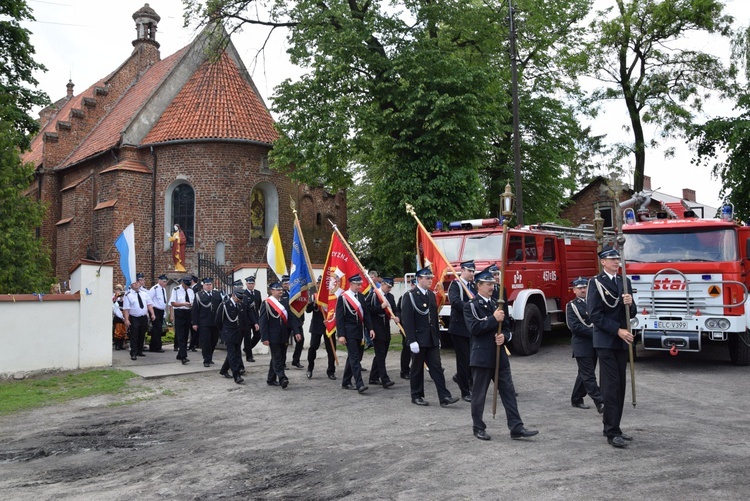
[414, 347]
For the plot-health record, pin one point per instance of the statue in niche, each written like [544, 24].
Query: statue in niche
[257, 215]
[178, 242]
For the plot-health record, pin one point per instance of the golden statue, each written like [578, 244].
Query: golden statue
[179, 244]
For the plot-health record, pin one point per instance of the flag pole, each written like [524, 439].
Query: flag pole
[411, 212]
[369, 279]
[302, 239]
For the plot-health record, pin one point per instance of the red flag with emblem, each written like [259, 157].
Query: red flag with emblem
[429, 254]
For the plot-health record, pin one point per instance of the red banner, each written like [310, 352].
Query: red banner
[340, 265]
[430, 255]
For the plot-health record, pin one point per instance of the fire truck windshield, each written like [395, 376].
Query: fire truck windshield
[483, 248]
[713, 245]
[450, 245]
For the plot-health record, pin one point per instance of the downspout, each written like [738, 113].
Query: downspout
[153, 218]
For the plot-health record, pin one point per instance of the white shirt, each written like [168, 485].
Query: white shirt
[158, 297]
[130, 303]
[181, 295]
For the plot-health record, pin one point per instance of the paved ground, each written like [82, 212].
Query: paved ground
[201, 437]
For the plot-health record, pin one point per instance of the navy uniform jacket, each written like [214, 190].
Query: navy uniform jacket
[348, 324]
[204, 310]
[272, 326]
[228, 319]
[480, 322]
[582, 341]
[458, 298]
[419, 318]
[606, 319]
[249, 311]
[317, 323]
[381, 323]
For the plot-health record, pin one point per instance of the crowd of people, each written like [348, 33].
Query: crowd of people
[479, 327]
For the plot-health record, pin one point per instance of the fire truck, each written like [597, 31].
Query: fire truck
[542, 261]
[690, 280]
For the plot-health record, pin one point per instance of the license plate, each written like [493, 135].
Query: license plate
[670, 325]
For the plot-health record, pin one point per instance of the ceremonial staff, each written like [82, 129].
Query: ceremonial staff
[507, 212]
[377, 292]
[621, 244]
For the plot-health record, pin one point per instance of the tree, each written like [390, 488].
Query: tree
[410, 102]
[24, 263]
[16, 72]
[637, 52]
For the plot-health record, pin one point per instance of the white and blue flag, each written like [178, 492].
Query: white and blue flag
[125, 244]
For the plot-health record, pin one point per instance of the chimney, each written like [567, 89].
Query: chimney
[688, 194]
[647, 183]
[146, 20]
[70, 86]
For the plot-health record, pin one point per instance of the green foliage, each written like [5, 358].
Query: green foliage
[49, 390]
[24, 262]
[16, 72]
[637, 55]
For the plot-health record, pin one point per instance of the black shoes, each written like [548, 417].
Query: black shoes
[210, 362]
[273, 383]
[133, 357]
[185, 361]
[363, 369]
[481, 434]
[580, 405]
[308, 374]
[298, 365]
[206, 364]
[617, 441]
[600, 408]
[444, 402]
[332, 377]
[284, 384]
[156, 351]
[239, 380]
[347, 386]
[624, 436]
[374, 382]
[405, 375]
[225, 374]
[522, 433]
[250, 359]
[388, 384]
[141, 354]
[362, 389]
[466, 398]
[419, 401]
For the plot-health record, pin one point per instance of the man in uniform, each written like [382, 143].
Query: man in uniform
[204, 310]
[461, 291]
[136, 310]
[318, 333]
[352, 325]
[277, 323]
[252, 300]
[381, 324]
[582, 342]
[419, 319]
[606, 303]
[196, 286]
[158, 295]
[483, 317]
[182, 301]
[405, 350]
[228, 322]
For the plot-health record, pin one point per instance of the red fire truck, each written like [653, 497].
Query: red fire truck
[542, 261]
[690, 282]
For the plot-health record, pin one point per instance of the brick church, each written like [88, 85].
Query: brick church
[184, 139]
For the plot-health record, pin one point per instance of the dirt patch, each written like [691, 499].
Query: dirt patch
[202, 437]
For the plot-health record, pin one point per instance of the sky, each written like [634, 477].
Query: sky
[83, 40]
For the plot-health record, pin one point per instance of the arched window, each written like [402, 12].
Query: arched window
[257, 214]
[183, 210]
[220, 252]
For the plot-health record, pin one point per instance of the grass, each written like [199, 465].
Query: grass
[48, 390]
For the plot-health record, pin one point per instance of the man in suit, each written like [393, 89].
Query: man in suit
[206, 304]
[405, 350]
[277, 322]
[196, 286]
[582, 342]
[318, 334]
[228, 321]
[420, 321]
[483, 317]
[460, 291]
[381, 324]
[251, 335]
[181, 302]
[352, 325]
[606, 303]
[158, 294]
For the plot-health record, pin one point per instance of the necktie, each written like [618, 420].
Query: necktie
[140, 301]
[164, 295]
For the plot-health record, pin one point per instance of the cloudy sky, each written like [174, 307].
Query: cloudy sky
[83, 40]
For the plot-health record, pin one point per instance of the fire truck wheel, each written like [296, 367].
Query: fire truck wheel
[528, 339]
[739, 349]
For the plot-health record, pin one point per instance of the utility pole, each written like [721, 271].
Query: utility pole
[516, 132]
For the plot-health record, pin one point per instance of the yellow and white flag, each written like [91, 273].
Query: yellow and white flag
[275, 253]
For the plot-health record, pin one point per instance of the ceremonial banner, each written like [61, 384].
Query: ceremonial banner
[275, 253]
[125, 245]
[300, 278]
[340, 265]
[429, 254]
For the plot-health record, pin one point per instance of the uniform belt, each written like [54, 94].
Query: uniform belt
[137, 316]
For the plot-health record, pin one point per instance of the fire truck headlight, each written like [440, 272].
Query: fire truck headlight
[714, 324]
